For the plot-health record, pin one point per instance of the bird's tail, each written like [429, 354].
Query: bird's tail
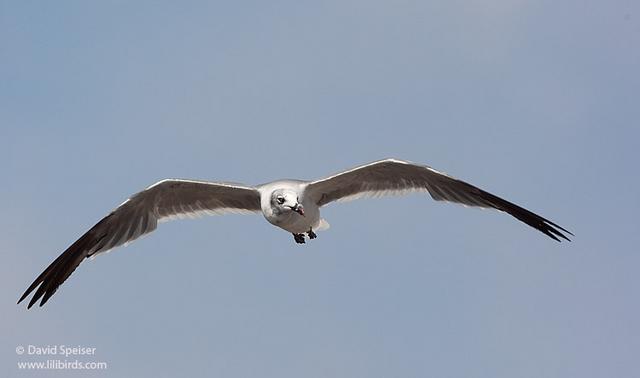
[322, 225]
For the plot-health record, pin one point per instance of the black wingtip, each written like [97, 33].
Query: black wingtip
[47, 283]
[534, 220]
[22, 297]
[551, 226]
[550, 229]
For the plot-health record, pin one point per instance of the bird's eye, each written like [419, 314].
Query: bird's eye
[280, 200]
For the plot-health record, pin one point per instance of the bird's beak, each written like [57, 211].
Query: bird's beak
[298, 209]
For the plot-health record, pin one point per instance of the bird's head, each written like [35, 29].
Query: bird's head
[286, 200]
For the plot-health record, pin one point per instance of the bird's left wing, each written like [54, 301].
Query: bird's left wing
[139, 215]
[393, 176]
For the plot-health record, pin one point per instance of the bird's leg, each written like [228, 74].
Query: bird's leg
[299, 238]
[312, 235]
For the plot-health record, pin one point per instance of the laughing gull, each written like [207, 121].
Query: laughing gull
[293, 205]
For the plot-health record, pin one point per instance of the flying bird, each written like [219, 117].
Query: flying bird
[293, 205]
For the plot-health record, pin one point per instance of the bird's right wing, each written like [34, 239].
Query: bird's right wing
[139, 215]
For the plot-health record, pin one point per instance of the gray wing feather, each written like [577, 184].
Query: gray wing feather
[139, 215]
[393, 176]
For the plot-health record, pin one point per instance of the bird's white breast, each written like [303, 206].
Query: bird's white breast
[289, 220]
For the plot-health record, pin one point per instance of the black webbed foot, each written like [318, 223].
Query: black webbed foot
[299, 238]
[312, 235]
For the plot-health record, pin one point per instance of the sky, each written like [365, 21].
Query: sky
[534, 101]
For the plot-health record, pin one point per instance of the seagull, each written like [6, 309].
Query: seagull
[292, 205]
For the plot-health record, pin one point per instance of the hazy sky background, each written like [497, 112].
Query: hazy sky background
[535, 101]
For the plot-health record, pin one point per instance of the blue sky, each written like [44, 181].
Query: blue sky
[534, 101]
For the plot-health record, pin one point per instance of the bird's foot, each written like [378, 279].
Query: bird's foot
[312, 235]
[299, 238]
